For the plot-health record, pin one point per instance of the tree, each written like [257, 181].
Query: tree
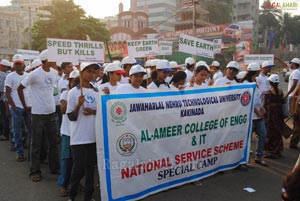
[65, 20]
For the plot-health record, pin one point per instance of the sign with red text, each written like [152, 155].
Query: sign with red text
[150, 142]
[142, 48]
[75, 51]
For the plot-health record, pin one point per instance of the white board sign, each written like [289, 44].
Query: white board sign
[142, 48]
[28, 54]
[258, 58]
[165, 48]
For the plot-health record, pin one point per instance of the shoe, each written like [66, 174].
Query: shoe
[242, 167]
[35, 177]
[20, 158]
[3, 138]
[294, 147]
[261, 162]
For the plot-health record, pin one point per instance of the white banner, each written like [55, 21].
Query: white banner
[28, 54]
[165, 48]
[75, 51]
[258, 58]
[196, 46]
[142, 48]
[217, 45]
[150, 142]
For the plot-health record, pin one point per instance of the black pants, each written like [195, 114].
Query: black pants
[4, 120]
[84, 162]
[46, 123]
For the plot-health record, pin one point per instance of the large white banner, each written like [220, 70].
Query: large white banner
[63, 50]
[165, 47]
[150, 142]
[142, 48]
[28, 54]
[196, 46]
[258, 58]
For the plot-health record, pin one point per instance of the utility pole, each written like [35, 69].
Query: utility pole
[194, 21]
[30, 10]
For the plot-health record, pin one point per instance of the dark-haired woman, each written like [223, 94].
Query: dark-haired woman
[274, 118]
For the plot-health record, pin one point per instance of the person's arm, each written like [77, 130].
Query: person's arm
[9, 98]
[293, 87]
[63, 106]
[74, 114]
[22, 97]
[282, 63]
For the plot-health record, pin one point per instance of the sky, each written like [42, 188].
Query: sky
[99, 9]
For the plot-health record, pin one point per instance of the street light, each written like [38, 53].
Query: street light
[30, 10]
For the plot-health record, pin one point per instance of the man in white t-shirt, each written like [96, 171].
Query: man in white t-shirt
[17, 112]
[262, 80]
[127, 63]
[231, 71]
[162, 69]
[41, 82]
[190, 66]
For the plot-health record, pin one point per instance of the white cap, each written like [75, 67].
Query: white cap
[241, 75]
[274, 78]
[114, 67]
[173, 64]
[164, 65]
[267, 64]
[233, 64]
[27, 68]
[43, 55]
[58, 64]
[202, 63]
[5, 62]
[18, 58]
[215, 63]
[295, 60]
[137, 69]
[36, 63]
[128, 60]
[154, 62]
[189, 60]
[148, 73]
[253, 67]
[74, 74]
[85, 65]
[148, 63]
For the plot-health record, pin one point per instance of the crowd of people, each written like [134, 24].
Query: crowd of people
[46, 103]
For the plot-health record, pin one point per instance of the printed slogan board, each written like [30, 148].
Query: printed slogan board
[142, 48]
[165, 47]
[258, 58]
[28, 54]
[62, 50]
[150, 142]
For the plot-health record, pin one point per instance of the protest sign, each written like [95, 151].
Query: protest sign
[196, 46]
[28, 54]
[258, 58]
[217, 45]
[149, 142]
[75, 51]
[142, 48]
[165, 47]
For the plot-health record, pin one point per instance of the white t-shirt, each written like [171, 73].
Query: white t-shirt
[109, 86]
[65, 123]
[196, 86]
[63, 84]
[295, 75]
[189, 75]
[82, 131]
[168, 79]
[263, 83]
[56, 91]
[13, 81]
[152, 85]
[128, 88]
[224, 81]
[41, 85]
[124, 80]
[217, 75]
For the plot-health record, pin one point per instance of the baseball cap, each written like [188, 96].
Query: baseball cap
[85, 65]
[241, 75]
[215, 64]
[202, 63]
[267, 64]
[154, 62]
[148, 73]
[36, 63]
[174, 64]
[163, 65]
[295, 60]
[114, 67]
[148, 63]
[5, 62]
[43, 55]
[274, 78]
[128, 60]
[189, 60]
[253, 67]
[137, 69]
[233, 64]
[17, 58]
[74, 74]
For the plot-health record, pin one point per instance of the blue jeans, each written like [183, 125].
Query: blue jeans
[17, 119]
[65, 162]
[258, 126]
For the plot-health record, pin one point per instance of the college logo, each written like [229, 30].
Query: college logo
[126, 144]
[118, 112]
[245, 98]
[48, 80]
[89, 99]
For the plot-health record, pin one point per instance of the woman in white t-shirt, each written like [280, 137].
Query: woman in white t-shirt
[111, 78]
[81, 111]
[200, 75]
[66, 155]
[136, 78]
[231, 71]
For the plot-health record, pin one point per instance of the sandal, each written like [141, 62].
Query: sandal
[261, 162]
[63, 192]
[35, 178]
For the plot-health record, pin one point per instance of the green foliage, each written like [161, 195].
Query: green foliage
[65, 20]
[219, 12]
